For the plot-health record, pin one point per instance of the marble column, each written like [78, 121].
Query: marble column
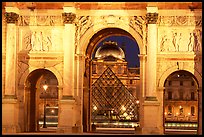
[69, 49]
[152, 16]
[10, 78]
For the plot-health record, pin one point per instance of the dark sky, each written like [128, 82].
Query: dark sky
[131, 49]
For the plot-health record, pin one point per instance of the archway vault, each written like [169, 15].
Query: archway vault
[41, 101]
[102, 34]
[93, 36]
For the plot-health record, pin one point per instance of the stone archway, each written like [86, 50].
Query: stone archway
[95, 39]
[180, 99]
[41, 105]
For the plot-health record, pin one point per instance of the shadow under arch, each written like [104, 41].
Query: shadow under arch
[93, 42]
[35, 96]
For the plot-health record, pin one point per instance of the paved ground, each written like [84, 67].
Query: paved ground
[104, 132]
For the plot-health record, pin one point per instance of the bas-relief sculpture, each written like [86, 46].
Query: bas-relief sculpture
[177, 41]
[186, 38]
[42, 40]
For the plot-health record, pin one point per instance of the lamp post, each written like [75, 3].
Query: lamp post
[44, 120]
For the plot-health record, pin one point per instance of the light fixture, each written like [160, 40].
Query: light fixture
[45, 87]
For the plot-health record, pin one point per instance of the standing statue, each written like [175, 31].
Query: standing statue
[176, 40]
[33, 41]
[191, 43]
[163, 46]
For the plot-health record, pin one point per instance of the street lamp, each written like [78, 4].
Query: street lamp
[44, 120]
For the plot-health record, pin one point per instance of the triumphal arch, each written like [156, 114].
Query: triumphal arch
[56, 78]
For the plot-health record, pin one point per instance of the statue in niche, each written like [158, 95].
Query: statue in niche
[176, 41]
[191, 43]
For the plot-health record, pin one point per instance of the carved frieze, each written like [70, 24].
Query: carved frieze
[68, 17]
[11, 17]
[40, 20]
[180, 21]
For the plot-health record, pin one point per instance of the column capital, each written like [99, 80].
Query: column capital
[11, 17]
[152, 18]
[68, 18]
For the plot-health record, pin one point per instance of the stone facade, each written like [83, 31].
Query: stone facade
[59, 39]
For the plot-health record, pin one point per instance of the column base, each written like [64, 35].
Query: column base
[151, 131]
[10, 129]
[152, 119]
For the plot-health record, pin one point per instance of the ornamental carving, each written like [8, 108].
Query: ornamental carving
[180, 21]
[138, 24]
[152, 18]
[68, 17]
[11, 17]
[40, 20]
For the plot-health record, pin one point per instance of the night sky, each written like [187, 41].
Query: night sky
[131, 49]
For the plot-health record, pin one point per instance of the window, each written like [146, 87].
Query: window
[192, 83]
[170, 83]
[169, 95]
[169, 110]
[192, 110]
[181, 83]
[181, 95]
[192, 96]
[131, 81]
[94, 69]
[181, 110]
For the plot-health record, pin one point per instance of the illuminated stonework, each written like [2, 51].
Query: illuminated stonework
[59, 38]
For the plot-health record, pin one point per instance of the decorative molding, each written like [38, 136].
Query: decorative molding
[180, 21]
[152, 18]
[51, 20]
[68, 18]
[11, 17]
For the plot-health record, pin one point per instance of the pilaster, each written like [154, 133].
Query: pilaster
[68, 102]
[151, 122]
[9, 102]
[152, 16]
[69, 49]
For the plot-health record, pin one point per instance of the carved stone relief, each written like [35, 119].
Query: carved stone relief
[52, 20]
[180, 21]
[183, 39]
[42, 40]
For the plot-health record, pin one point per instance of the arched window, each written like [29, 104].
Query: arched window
[192, 110]
[169, 110]
[192, 96]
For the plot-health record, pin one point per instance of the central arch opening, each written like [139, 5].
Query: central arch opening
[111, 82]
